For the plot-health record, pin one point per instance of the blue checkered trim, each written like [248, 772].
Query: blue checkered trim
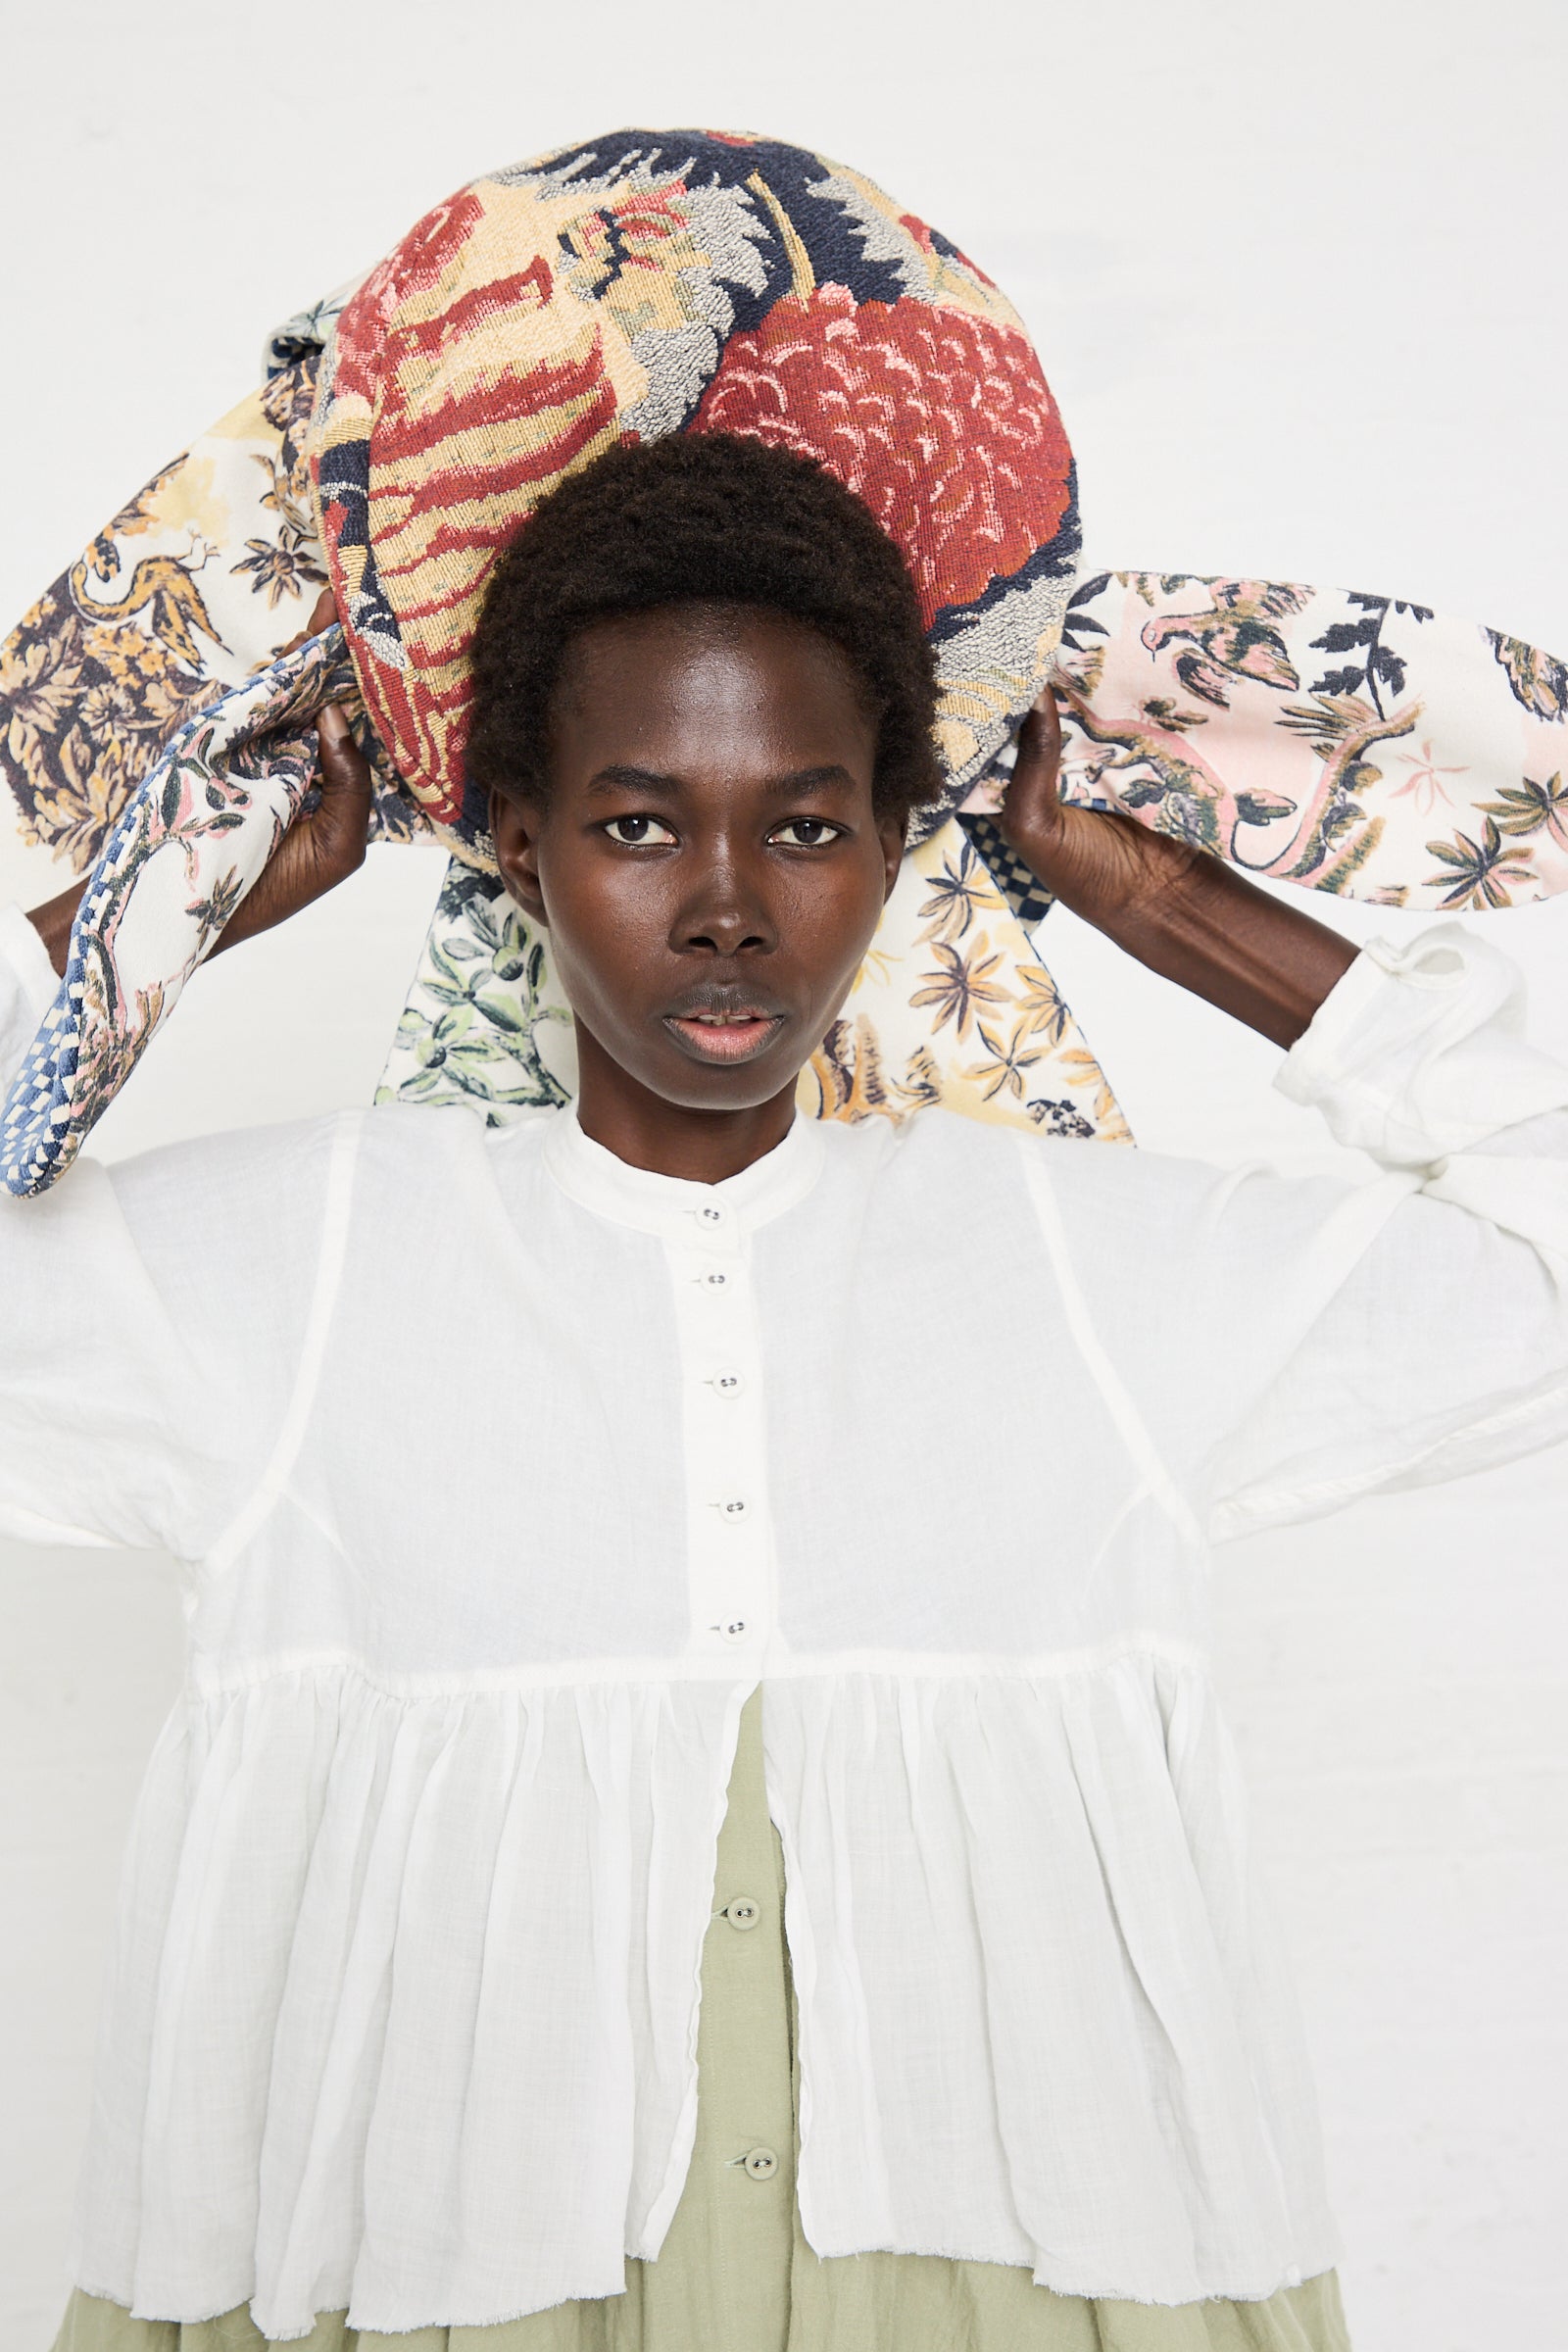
[1018, 883]
[36, 1120]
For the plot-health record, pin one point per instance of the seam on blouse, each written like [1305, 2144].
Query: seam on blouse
[823, 1666]
[1258, 1507]
[313, 1351]
[1115, 1397]
[1334, 1250]
[31, 1527]
[1331, 1256]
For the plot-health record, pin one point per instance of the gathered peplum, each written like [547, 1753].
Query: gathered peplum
[406, 1999]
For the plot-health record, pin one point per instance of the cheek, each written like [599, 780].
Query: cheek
[603, 911]
[588, 938]
[833, 922]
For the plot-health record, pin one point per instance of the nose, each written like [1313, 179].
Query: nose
[725, 914]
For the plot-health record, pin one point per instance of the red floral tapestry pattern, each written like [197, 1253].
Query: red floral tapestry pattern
[941, 420]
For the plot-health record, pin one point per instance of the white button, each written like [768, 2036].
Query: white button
[728, 1384]
[734, 1508]
[712, 1215]
[735, 1631]
[762, 2164]
[744, 1912]
[715, 1282]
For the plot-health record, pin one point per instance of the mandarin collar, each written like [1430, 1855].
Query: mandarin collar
[666, 1206]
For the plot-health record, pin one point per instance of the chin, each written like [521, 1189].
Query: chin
[739, 1084]
[746, 1088]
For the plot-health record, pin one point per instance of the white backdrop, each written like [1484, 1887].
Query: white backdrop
[1296, 275]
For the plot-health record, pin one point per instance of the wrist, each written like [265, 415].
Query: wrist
[53, 921]
[1111, 871]
[1260, 960]
[1162, 913]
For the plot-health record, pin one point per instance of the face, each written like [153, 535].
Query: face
[708, 864]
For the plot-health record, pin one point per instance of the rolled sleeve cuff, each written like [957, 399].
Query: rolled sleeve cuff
[1419, 1051]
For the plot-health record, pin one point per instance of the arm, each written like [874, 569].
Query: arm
[150, 1314]
[1292, 1343]
[1296, 1343]
[1177, 909]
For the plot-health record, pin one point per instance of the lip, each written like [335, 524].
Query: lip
[736, 1036]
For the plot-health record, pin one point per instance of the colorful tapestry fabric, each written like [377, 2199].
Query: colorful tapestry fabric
[193, 587]
[175, 865]
[649, 282]
[1390, 753]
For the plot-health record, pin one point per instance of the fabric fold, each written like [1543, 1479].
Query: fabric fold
[371, 1897]
[1050, 2097]
[1110, 2083]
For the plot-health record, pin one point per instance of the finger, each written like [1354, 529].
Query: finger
[1031, 798]
[322, 613]
[322, 847]
[322, 617]
[348, 791]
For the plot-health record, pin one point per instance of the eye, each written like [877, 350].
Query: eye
[637, 832]
[809, 833]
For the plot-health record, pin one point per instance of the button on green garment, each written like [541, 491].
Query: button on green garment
[735, 2274]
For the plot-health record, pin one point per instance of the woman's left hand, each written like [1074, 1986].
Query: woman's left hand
[1185, 915]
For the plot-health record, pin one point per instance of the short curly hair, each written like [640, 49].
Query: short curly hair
[701, 518]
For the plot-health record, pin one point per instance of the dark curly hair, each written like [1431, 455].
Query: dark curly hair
[701, 518]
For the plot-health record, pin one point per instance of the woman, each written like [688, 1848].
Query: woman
[404, 2033]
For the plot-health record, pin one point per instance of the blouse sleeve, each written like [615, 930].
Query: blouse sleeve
[154, 1316]
[1279, 1346]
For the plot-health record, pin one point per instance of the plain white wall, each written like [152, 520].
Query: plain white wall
[1294, 274]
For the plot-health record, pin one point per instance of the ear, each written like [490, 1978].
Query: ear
[892, 833]
[515, 829]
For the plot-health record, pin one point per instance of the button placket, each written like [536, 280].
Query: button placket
[729, 1556]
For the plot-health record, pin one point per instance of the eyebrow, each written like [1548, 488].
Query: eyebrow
[830, 778]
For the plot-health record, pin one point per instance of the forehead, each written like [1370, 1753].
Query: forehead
[710, 679]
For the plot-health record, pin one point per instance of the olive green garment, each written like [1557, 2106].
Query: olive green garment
[735, 2272]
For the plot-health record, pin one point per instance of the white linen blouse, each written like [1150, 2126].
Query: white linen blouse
[503, 1472]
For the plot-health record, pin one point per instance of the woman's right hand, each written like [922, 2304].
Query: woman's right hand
[1108, 868]
[319, 850]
